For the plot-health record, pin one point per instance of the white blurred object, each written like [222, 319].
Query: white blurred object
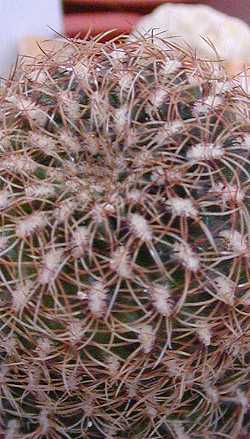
[21, 18]
[189, 23]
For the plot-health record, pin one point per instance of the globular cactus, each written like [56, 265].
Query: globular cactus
[124, 246]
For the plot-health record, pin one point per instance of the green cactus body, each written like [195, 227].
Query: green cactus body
[124, 246]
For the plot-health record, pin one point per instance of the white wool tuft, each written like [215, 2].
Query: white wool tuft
[64, 210]
[120, 262]
[146, 337]
[225, 289]
[171, 66]
[5, 198]
[20, 295]
[42, 142]
[206, 105]
[203, 332]
[69, 142]
[44, 422]
[156, 99]
[229, 192]
[113, 365]
[140, 227]
[30, 224]
[40, 191]
[30, 108]
[79, 241]
[97, 298]
[76, 331]
[205, 152]
[44, 348]
[161, 299]
[18, 163]
[182, 207]
[186, 256]
[51, 262]
[236, 241]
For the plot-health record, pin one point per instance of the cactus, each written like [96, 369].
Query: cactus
[124, 245]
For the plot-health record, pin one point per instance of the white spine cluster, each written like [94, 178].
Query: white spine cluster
[157, 98]
[30, 224]
[113, 365]
[223, 87]
[29, 108]
[44, 422]
[146, 337]
[70, 105]
[230, 193]
[180, 432]
[20, 295]
[205, 152]
[140, 227]
[125, 81]
[5, 198]
[101, 210]
[225, 289]
[81, 71]
[204, 333]
[76, 331]
[161, 299]
[171, 66]
[172, 128]
[158, 176]
[18, 164]
[118, 55]
[43, 348]
[174, 368]
[187, 256]
[212, 393]
[182, 207]
[42, 142]
[42, 191]
[134, 195]
[97, 298]
[236, 241]
[64, 210]
[99, 106]
[69, 142]
[79, 241]
[121, 118]
[120, 262]
[206, 105]
[51, 262]
[173, 175]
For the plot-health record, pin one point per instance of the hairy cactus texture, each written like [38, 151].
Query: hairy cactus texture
[124, 246]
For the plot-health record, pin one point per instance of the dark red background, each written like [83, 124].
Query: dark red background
[101, 15]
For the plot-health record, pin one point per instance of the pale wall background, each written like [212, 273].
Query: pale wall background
[21, 18]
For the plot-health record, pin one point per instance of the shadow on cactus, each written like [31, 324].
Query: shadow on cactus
[124, 245]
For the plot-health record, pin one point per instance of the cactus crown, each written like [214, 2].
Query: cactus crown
[124, 245]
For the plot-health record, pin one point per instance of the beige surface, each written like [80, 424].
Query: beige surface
[34, 46]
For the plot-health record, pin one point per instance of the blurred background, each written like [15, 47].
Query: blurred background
[102, 15]
[25, 23]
